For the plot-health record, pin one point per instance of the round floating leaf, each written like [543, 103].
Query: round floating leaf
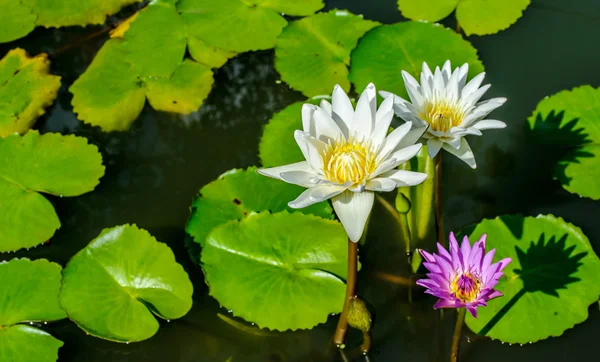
[386, 50]
[277, 145]
[26, 89]
[571, 119]
[480, 17]
[281, 271]
[238, 193]
[113, 286]
[18, 18]
[144, 59]
[241, 25]
[312, 54]
[483, 17]
[548, 286]
[206, 54]
[29, 293]
[49, 163]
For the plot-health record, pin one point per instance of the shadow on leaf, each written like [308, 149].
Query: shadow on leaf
[546, 267]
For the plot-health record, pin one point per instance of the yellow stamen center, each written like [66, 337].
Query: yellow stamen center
[442, 115]
[348, 160]
[466, 287]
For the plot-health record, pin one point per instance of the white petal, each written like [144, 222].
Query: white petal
[316, 194]
[474, 97]
[446, 71]
[462, 76]
[405, 178]
[308, 123]
[489, 124]
[433, 147]
[311, 148]
[412, 137]
[463, 152]
[455, 142]
[383, 119]
[302, 178]
[452, 87]
[275, 172]
[341, 106]
[426, 81]
[353, 210]
[461, 131]
[381, 184]
[397, 158]
[482, 109]
[413, 88]
[326, 106]
[391, 142]
[473, 85]
[325, 126]
[438, 80]
[364, 116]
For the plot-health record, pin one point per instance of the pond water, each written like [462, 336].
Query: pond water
[155, 169]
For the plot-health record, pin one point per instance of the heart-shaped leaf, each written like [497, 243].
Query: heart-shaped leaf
[548, 286]
[113, 286]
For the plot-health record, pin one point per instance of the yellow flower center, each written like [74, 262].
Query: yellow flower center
[466, 287]
[442, 115]
[348, 160]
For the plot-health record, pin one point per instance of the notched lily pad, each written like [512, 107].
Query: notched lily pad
[114, 286]
[29, 293]
[568, 123]
[386, 50]
[238, 193]
[50, 163]
[548, 286]
[313, 54]
[26, 89]
[281, 271]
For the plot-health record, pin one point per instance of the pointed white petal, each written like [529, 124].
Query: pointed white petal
[397, 158]
[341, 106]
[462, 76]
[381, 184]
[489, 124]
[390, 143]
[412, 137]
[311, 148]
[383, 119]
[353, 210]
[316, 194]
[364, 116]
[463, 152]
[473, 85]
[438, 80]
[405, 178]
[308, 123]
[455, 142]
[301, 178]
[452, 87]
[433, 147]
[275, 172]
[446, 71]
[474, 97]
[482, 109]
[326, 106]
[325, 126]
[414, 89]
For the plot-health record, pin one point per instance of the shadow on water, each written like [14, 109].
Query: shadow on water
[546, 267]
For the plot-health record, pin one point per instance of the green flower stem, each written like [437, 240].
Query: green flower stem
[367, 341]
[401, 219]
[439, 217]
[342, 327]
[460, 321]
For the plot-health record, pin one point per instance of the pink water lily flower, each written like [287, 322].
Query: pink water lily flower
[464, 277]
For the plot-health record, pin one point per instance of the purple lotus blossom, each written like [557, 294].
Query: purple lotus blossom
[463, 278]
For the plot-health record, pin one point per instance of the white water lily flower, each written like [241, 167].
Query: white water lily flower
[348, 156]
[448, 107]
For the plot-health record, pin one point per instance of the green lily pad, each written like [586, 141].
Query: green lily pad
[145, 58]
[241, 25]
[313, 54]
[48, 163]
[281, 271]
[570, 120]
[421, 215]
[277, 145]
[548, 286]
[113, 286]
[27, 89]
[19, 18]
[238, 193]
[29, 293]
[386, 50]
[480, 17]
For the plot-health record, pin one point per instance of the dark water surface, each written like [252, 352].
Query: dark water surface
[155, 169]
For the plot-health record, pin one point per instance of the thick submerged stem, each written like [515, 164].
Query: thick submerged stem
[460, 321]
[342, 327]
[439, 217]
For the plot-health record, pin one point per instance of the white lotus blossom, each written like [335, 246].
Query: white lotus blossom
[348, 156]
[448, 108]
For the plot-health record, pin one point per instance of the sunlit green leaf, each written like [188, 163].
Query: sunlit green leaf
[548, 286]
[16, 20]
[386, 50]
[431, 10]
[26, 89]
[238, 193]
[29, 293]
[570, 120]
[114, 286]
[49, 163]
[241, 25]
[313, 54]
[206, 54]
[281, 271]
